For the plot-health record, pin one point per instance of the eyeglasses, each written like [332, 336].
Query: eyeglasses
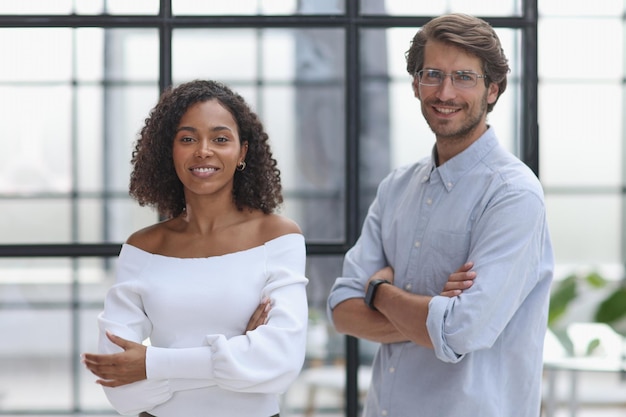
[461, 79]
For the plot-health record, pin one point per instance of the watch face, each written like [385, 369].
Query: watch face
[371, 292]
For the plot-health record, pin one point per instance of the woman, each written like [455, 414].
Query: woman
[218, 287]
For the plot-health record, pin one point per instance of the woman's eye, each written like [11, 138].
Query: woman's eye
[186, 139]
[221, 139]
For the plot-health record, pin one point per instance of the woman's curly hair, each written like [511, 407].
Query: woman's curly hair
[153, 181]
[473, 35]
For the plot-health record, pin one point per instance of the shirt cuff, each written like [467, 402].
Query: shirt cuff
[438, 309]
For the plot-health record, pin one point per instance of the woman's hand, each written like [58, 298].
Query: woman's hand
[259, 317]
[121, 368]
[459, 281]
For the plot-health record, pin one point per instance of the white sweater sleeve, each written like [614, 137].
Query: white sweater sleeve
[265, 360]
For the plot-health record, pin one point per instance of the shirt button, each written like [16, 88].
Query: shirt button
[429, 201]
[408, 286]
[384, 412]
[392, 370]
[449, 184]
[417, 244]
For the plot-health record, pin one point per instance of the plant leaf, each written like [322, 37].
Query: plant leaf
[613, 308]
[560, 298]
[593, 345]
[596, 280]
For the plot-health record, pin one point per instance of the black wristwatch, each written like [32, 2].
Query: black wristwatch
[371, 292]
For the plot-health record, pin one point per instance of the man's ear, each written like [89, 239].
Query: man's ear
[492, 94]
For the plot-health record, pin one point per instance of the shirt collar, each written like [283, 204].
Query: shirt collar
[455, 168]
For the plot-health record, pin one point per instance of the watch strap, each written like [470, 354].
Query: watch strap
[371, 292]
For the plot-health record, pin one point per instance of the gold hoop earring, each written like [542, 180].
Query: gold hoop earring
[241, 166]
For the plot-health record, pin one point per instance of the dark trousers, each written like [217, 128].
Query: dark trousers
[144, 414]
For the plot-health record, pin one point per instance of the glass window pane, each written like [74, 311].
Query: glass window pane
[569, 141]
[216, 60]
[374, 102]
[58, 7]
[95, 276]
[131, 55]
[90, 44]
[33, 378]
[591, 243]
[91, 220]
[88, 7]
[28, 281]
[580, 8]
[80, 7]
[598, 38]
[36, 139]
[319, 136]
[435, 8]
[130, 7]
[35, 220]
[90, 143]
[257, 7]
[31, 50]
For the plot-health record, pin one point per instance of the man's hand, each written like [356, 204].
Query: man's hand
[459, 281]
[121, 368]
[259, 317]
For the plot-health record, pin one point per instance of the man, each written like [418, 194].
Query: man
[472, 353]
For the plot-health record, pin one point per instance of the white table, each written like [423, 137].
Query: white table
[575, 365]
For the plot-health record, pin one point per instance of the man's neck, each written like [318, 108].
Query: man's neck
[449, 147]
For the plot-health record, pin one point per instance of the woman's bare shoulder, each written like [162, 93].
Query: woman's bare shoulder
[276, 225]
[150, 238]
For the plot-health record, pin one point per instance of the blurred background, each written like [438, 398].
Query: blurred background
[328, 79]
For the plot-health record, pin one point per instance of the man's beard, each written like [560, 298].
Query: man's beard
[444, 130]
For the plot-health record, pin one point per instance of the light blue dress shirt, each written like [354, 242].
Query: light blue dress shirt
[484, 205]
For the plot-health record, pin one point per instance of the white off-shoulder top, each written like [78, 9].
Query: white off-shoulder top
[200, 361]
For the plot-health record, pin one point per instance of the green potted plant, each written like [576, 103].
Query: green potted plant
[611, 309]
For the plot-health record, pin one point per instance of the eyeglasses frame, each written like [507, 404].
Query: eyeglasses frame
[419, 73]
